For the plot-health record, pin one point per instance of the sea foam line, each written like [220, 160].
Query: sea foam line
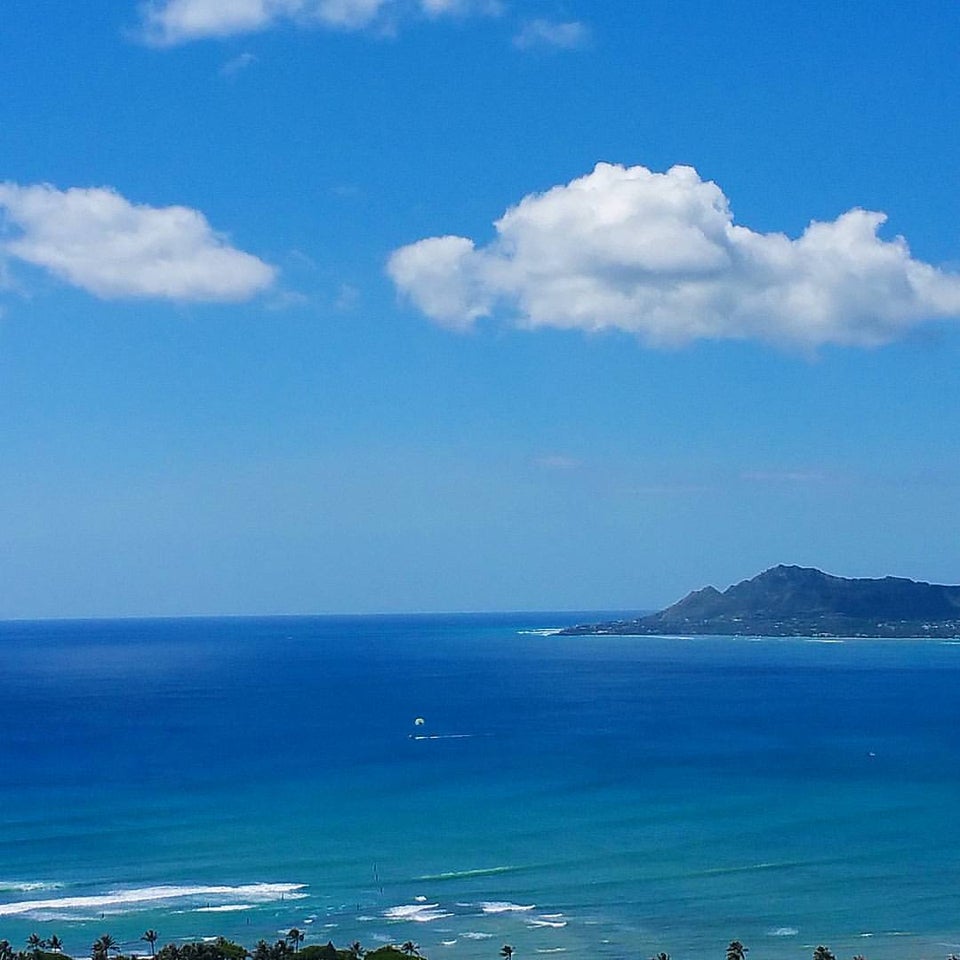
[28, 886]
[459, 874]
[262, 892]
[227, 908]
[499, 906]
[418, 912]
[444, 736]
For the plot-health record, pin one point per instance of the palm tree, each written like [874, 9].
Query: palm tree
[411, 949]
[151, 936]
[296, 937]
[661, 956]
[6, 951]
[55, 944]
[823, 953]
[35, 943]
[860, 956]
[736, 951]
[506, 951]
[356, 951]
[103, 946]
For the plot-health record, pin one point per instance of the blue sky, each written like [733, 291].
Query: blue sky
[414, 305]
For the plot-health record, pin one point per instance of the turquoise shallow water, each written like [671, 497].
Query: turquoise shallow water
[616, 796]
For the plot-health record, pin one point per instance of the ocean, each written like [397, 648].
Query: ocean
[604, 796]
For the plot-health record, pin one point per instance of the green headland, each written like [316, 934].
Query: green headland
[788, 601]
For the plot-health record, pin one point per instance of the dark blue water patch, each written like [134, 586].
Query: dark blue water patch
[682, 787]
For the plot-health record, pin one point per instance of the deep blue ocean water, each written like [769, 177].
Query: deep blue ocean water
[609, 796]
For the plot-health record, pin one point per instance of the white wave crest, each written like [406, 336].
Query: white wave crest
[499, 906]
[407, 910]
[783, 932]
[444, 736]
[142, 898]
[27, 886]
[477, 936]
[418, 912]
[458, 874]
[226, 908]
[554, 924]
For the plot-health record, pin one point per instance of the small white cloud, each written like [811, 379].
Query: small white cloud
[348, 298]
[232, 67]
[439, 275]
[461, 8]
[658, 255]
[95, 239]
[286, 300]
[570, 35]
[171, 22]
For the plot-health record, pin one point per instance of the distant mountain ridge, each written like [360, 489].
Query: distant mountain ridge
[804, 601]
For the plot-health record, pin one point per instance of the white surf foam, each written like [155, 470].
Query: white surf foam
[27, 886]
[141, 898]
[553, 924]
[417, 912]
[445, 736]
[500, 906]
[783, 932]
[408, 910]
[226, 908]
[472, 935]
[458, 874]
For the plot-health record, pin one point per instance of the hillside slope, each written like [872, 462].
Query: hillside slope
[803, 601]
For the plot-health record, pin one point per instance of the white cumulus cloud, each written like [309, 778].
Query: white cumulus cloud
[658, 255]
[569, 35]
[95, 239]
[170, 22]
